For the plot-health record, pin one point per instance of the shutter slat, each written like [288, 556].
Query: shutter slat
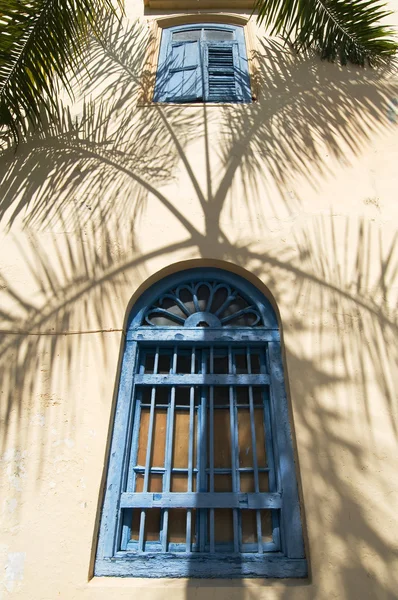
[221, 73]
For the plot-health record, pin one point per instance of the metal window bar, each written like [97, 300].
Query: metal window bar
[272, 482]
[211, 452]
[201, 485]
[148, 453]
[254, 446]
[204, 471]
[132, 473]
[234, 454]
[167, 470]
[190, 452]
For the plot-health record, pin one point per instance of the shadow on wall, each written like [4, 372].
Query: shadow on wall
[80, 189]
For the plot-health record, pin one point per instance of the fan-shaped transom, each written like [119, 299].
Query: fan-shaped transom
[203, 304]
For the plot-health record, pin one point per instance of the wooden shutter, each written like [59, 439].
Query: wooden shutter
[221, 73]
[179, 77]
[226, 70]
[184, 82]
[195, 66]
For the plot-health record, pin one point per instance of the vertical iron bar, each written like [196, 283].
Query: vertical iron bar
[234, 452]
[202, 456]
[132, 476]
[169, 452]
[254, 452]
[127, 516]
[190, 451]
[148, 452]
[272, 482]
[211, 451]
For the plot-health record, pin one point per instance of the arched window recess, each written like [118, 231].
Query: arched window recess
[201, 479]
[225, 305]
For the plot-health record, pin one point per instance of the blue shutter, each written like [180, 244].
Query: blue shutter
[221, 60]
[179, 76]
[184, 82]
[226, 70]
[196, 67]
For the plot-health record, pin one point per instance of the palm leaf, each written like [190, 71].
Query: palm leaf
[348, 29]
[41, 43]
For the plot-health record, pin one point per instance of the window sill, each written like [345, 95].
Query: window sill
[205, 567]
[144, 104]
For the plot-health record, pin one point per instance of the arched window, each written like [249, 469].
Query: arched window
[201, 477]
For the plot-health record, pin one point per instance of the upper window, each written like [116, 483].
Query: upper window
[202, 63]
[201, 479]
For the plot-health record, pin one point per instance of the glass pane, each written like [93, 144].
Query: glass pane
[146, 395]
[221, 396]
[223, 526]
[184, 361]
[223, 483]
[258, 396]
[159, 437]
[180, 439]
[203, 296]
[182, 396]
[247, 482]
[222, 439]
[260, 437]
[162, 396]
[220, 298]
[266, 525]
[249, 526]
[155, 483]
[245, 438]
[187, 36]
[143, 436]
[165, 361]
[149, 360]
[240, 362]
[220, 361]
[216, 35]
[263, 482]
[152, 524]
[179, 482]
[135, 525]
[255, 362]
[242, 395]
[177, 525]
[245, 320]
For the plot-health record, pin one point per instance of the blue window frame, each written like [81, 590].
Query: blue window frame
[204, 62]
[201, 478]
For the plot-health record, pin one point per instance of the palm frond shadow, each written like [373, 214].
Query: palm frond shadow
[345, 310]
[89, 179]
[103, 142]
[308, 115]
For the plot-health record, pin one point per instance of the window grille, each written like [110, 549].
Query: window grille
[201, 479]
[203, 63]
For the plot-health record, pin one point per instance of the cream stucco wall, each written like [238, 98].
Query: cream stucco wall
[299, 192]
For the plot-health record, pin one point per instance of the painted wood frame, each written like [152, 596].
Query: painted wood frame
[284, 555]
[195, 66]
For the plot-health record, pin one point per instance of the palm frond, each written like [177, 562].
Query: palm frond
[349, 29]
[40, 45]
